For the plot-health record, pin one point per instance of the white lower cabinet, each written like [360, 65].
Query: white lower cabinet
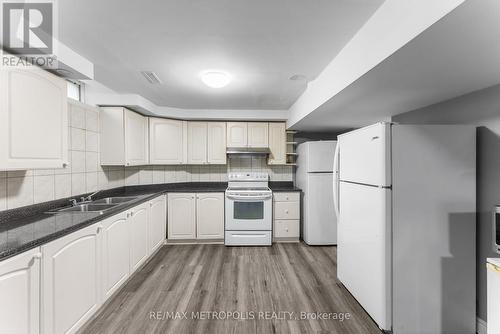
[196, 216]
[286, 216]
[58, 287]
[71, 280]
[138, 222]
[210, 216]
[20, 293]
[157, 223]
[115, 253]
[181, 216]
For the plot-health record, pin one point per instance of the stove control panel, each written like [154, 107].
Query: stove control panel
[248, 176]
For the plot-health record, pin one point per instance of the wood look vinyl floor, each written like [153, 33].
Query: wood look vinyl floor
[215, 280]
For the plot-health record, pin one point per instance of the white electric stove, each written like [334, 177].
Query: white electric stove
[248, 210]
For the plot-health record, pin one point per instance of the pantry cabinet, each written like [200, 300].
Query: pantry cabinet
[258, 134]
[168, 141]
[197, 143]
[237, 135]
[157, 223]
[181, 216]
[124, 137]
[277, 144]
[195, 216]
[20, 293]
[33, 119]
[71, 280]
[138, 221]
[210, 216]
[115, 253]
[216, 143]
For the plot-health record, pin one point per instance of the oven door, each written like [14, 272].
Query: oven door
[248, 213]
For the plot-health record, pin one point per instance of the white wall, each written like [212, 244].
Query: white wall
[481, 108]
[84, 175]
[393, 25]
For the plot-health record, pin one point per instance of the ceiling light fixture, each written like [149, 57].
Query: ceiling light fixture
[215, 78]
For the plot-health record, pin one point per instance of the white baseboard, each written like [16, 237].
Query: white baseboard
[481, 326]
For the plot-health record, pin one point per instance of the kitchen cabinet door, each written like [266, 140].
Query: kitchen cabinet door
[136, 139]
[71, 279]
[33, 119]
[181, 216]
[216, 143]
[138, 222]
[277, 144]
[237, 134]
[210, 216]
[157, 223]
[197, 143]
[258, 134]
[168, 141]
[20, 293]
[115, 253]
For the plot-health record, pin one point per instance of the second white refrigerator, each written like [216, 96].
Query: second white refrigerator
[405, 198]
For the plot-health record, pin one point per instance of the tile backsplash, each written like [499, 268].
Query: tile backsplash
[20, 188]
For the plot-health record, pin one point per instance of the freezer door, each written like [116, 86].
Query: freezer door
[365, 155]
[320, 223]
[320, 156]
[364, 248]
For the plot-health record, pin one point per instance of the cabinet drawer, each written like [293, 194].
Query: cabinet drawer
[287, 197]
[286, 210]
[247, 238]
[286, 228]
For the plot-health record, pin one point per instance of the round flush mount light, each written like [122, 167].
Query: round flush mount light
[215, 78]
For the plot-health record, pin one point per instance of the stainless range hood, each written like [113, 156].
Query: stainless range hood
[248, 150]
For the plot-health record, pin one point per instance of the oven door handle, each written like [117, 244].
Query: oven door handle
[249, 198]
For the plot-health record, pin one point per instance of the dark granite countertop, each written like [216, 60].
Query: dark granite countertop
[28, 227]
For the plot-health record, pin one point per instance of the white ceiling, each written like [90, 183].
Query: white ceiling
[262, 43]
[457, 55]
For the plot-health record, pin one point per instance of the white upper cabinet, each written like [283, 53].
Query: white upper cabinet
[197, 143]
[237, 134]
[247, 134]
[136, 139]
[168, 141]
[124, 137]
[20, 293]
[217, 143]
[258, 134]
[277, 144]
[33, 119]
[210, 216]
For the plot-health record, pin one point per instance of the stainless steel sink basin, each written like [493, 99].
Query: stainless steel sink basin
[114, 200]
[89, 207]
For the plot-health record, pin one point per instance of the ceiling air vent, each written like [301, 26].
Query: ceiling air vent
[151, 77]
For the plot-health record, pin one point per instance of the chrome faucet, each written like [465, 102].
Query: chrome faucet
[73, 202]
[89, 197]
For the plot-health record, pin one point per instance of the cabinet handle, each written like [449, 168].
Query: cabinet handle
[286, 211]
[37, 256]
[65, 164]
[99, 229]
[131, 213]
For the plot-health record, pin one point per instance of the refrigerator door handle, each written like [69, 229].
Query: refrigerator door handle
[336, 178]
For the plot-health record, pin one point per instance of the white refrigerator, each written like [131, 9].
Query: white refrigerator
[314, 175]
[406, 206]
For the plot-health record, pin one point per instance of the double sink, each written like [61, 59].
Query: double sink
[100, 206]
